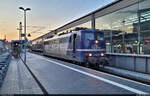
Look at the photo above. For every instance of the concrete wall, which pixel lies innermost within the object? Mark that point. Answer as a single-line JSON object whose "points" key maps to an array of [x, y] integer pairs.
{"points": [[132, 62]]}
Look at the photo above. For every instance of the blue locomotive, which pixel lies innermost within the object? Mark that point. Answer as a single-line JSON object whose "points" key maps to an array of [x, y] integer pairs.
{"points": [[83, 46]]}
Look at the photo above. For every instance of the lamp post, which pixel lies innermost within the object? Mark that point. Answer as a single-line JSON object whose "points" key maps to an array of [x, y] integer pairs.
{"points": [[27, 9]]}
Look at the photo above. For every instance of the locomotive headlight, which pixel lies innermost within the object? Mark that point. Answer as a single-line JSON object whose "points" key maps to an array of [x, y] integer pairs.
{"points": [[102, 54], [90, 55], [96, 41]]}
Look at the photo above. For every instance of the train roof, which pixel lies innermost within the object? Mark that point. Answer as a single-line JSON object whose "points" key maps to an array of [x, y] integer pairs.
{"points": [[57, 36], [68, 34], [91, 30]]}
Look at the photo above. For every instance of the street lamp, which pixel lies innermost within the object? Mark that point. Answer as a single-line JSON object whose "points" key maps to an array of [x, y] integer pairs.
{"points": [[27, 9]]}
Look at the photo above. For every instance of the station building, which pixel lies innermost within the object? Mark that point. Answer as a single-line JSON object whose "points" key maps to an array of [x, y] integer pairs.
{"points": [[126, 25]]}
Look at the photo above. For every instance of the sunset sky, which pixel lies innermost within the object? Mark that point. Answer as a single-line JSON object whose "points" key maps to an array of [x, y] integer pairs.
{"points": [[45, 15]]}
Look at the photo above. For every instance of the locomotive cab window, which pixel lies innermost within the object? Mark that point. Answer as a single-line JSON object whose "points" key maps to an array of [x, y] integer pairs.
{"points": [[89, 36], [100, 36]]}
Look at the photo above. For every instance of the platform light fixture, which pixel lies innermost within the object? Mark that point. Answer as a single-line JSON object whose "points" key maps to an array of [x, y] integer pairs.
{"points": [[25, 9]]}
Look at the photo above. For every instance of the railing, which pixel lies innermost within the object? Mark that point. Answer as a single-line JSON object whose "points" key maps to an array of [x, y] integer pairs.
{"points": [[132, 62]]}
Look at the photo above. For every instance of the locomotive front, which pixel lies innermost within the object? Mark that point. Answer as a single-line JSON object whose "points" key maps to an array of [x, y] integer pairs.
{"points": [[95, 48]]}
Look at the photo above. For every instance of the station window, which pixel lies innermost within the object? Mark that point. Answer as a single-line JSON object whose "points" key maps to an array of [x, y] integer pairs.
{"points": [[120, 30], [104, 24], [144, 15]]}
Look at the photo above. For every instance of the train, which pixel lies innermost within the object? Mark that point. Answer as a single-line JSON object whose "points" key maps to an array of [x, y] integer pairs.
{"points": [[37, 45], [86, 47]]}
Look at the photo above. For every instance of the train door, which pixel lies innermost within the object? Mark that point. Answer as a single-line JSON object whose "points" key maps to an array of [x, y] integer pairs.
{"points": [[74, 42]]}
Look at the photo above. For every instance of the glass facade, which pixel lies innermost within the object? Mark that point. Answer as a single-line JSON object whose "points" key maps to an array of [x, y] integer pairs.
{"points": [[144, 19], [104, 24], [127, 30]]}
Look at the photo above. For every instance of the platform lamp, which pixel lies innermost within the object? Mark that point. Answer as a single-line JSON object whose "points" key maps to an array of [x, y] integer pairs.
{"points": [[24, 9]]}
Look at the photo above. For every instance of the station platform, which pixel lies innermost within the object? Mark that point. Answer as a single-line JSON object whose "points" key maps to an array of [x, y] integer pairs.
{"points": [[129, 74], [18, 80], [59, 77]]}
